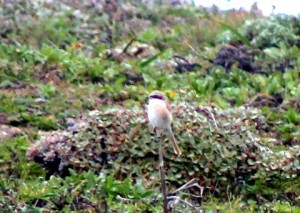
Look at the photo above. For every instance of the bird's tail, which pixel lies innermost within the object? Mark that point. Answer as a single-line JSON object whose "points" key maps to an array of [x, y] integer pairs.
{"points": [[173, 141]]}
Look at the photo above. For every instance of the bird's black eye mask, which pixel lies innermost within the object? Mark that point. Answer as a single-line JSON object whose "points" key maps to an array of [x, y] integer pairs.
{"points": [[157, 97]]}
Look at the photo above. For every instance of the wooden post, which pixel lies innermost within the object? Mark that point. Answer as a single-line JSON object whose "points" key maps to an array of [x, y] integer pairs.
{"points": [[162, 175]]}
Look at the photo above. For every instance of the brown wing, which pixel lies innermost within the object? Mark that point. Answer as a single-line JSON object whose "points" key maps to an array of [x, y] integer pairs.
{"points": [[163, 112]]}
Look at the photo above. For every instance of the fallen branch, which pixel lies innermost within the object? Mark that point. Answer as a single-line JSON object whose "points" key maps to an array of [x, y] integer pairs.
{"points": [[208, 113], [184, 65], [128, 45], [191, 183], [178, 199], [123, 199]]}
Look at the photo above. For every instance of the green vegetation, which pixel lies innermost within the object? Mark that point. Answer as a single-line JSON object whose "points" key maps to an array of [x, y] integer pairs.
{"points": [[74, 77]]}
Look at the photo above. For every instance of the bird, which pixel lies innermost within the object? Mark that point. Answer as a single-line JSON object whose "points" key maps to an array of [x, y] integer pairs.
{"points": [[160, 116]]}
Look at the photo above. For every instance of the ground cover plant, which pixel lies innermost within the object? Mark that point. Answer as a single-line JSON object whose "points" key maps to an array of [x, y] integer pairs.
{"points": [[74, 78]]}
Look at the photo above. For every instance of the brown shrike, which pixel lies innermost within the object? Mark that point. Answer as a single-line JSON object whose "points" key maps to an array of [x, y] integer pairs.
{"points": [[160, 116]]}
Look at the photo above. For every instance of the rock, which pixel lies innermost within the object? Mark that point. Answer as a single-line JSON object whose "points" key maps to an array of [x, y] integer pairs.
{"points": [[7, 132]]}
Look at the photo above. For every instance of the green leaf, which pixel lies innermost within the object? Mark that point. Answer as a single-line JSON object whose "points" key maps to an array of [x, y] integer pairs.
{"points": [[149, 60], [148, 35], [225, 26]]}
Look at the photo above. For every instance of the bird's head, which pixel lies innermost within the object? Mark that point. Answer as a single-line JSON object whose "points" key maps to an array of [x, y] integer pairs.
{"points": [[158, 95]]}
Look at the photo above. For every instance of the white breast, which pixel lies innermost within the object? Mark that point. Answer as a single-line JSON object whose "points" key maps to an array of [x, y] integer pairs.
{"points": [[154, 117]]}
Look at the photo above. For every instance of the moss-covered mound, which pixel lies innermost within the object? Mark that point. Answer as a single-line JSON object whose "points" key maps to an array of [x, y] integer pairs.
{"points": [[222, 148]]}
